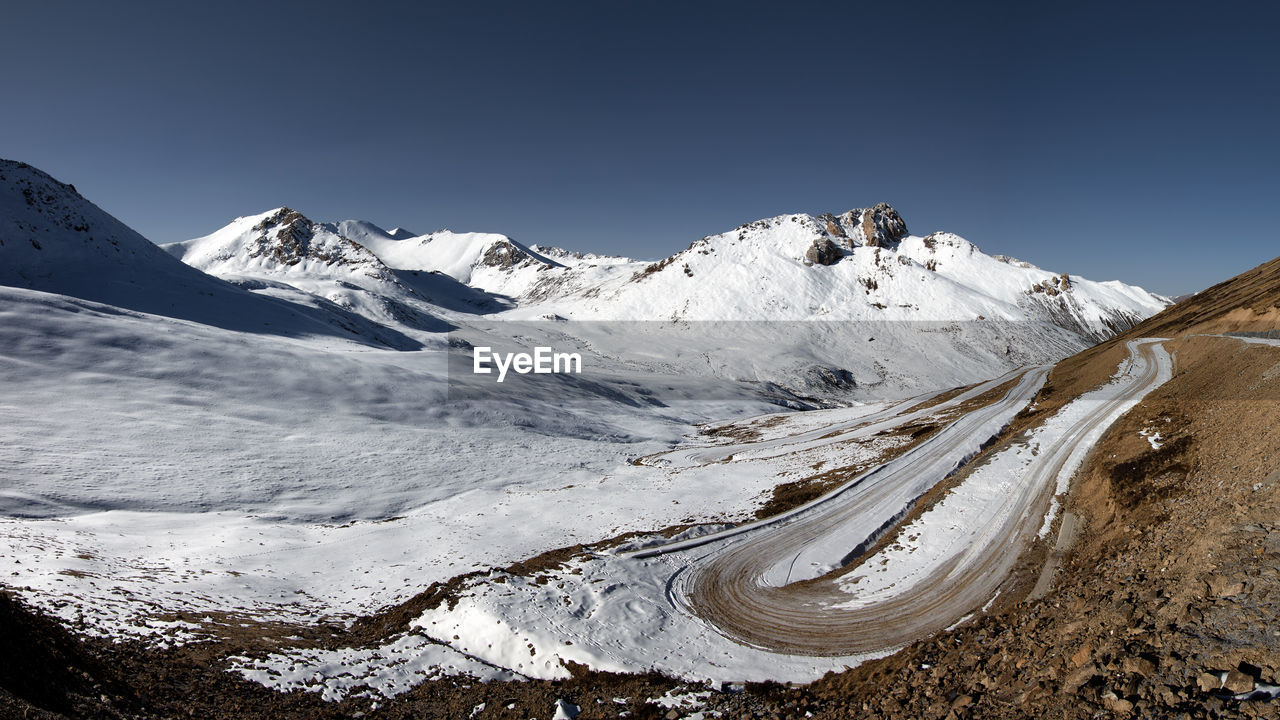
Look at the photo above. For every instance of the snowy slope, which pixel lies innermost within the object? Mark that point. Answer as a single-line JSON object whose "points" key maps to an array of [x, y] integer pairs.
{"points": [[881, 312], [860, 265], [158, 458], [462, 256], [283, 251], [53, 240], [277, 242], [766, 270]]}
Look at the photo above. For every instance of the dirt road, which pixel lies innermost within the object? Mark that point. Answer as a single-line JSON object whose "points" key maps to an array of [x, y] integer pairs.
{"points": [[778, 585]]}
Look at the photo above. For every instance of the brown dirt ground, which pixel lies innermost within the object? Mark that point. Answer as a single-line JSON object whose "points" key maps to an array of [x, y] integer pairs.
{"points": [[1148, 599]]}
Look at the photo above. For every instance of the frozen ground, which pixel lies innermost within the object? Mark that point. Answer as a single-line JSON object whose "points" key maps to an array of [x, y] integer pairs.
{"points": [[133, 495], [290, 441], [155, 466], [634, 611], [159, 444]]}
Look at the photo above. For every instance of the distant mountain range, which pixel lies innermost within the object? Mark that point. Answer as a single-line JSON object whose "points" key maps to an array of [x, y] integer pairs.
{"points": [[280, 272]]}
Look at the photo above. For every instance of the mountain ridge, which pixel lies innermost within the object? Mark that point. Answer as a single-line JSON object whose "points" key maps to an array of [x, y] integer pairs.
{"points": [[863, 249], [54, 240], [893, 313]]}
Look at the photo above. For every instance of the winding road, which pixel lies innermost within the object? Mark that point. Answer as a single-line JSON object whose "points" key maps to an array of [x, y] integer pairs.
{"points": [[783, 585]]}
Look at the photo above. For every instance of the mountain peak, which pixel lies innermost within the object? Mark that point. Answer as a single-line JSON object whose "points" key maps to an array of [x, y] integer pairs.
{"points": [[53, 240], [59, 203], [288, 237], [877, 226], [280, 240]]}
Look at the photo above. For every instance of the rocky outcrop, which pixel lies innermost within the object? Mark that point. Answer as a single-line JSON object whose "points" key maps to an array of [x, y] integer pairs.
{"points": [[877, 226], [503, 254], [823, 252], [832, 225], [882, 226], [1053, 286], [288, 237]]}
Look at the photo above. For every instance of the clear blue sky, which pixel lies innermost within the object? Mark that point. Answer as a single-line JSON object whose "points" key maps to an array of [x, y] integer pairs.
{"points": [[1108, 140]]}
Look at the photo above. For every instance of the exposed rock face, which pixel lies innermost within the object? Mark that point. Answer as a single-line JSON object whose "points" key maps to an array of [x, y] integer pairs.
{"points": [[1053, 286], [882, 226], [876, 226], [504, 255], [833, 227], [823, 252], [290, 238]]}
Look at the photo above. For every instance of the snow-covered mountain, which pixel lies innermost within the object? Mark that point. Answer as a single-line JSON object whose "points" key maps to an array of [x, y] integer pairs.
{"points": [[487, 261], [290, 437], [819, 305], [903, 313], [283, 250], [279, 242], [55, 241], [859, 265]]}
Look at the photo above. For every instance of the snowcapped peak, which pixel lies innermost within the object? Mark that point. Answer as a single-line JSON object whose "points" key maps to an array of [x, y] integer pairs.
{"points": [[1007, 260], [458, 255], [48, 233], [359, 230], [859, 265], [32, 181], [277, 242]]}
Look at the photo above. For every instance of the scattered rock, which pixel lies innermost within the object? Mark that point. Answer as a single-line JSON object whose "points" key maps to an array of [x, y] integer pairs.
{"points": [[1081, 656], [1082, 675], [1223, 587], [1238, 683], [1117, 705], [1209, 682], [1139, 665]]}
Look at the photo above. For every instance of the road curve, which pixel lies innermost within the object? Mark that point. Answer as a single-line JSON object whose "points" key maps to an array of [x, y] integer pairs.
{"points": [[769, 587], [874, 480]]}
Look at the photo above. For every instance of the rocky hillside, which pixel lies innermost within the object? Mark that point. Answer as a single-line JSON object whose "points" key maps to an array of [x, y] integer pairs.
{"points": [[278, 242], [1245, 303]]}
